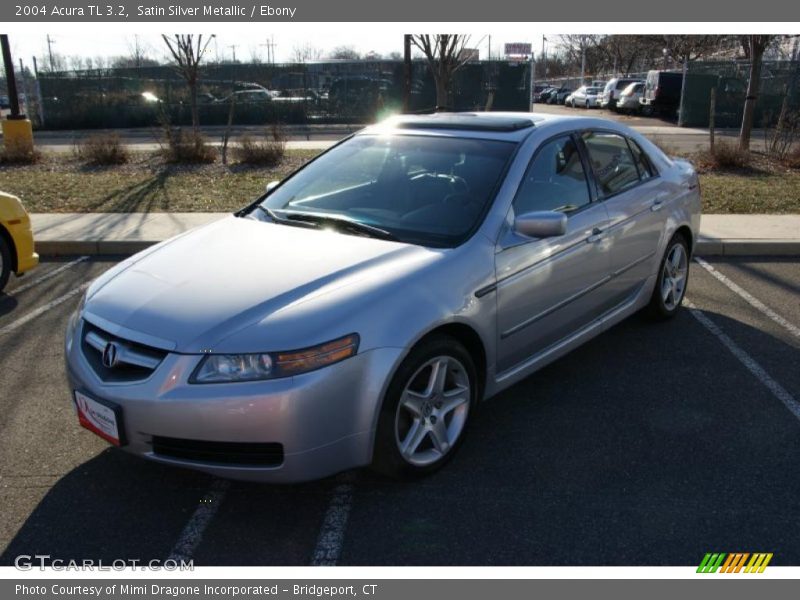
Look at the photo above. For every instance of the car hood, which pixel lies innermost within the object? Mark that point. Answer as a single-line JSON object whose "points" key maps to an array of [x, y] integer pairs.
{"points": [[203, 286]]}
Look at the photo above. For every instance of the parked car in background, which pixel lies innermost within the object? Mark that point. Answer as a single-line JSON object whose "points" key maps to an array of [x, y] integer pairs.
{"points": [[255, 96], [17, 253], [405, 275], [559, 95], [545, 96], [662, 93], [562, 95], [585, 97], [613, 89], [629, 98], [538, 89]]}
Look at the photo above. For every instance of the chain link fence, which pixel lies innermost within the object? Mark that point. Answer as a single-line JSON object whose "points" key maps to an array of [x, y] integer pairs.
{"points": [[344, 92], [779, 80]]}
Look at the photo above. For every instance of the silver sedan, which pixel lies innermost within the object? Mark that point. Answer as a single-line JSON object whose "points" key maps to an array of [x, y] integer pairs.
{"points": [[359, 310]]}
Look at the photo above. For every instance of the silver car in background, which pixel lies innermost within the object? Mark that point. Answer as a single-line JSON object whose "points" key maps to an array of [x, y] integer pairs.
{"points": [[629, 98], [585, 97], [358, 312]]}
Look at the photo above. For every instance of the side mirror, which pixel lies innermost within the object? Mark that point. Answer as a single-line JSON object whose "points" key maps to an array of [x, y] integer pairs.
{"points": [[541, 224], [272, 185]]}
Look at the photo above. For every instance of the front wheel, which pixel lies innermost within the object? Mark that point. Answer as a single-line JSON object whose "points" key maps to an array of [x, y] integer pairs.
{"points": [[673, 275], [426, 409]]}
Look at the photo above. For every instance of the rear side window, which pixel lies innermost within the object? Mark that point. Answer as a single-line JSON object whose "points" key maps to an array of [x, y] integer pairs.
{"points": [[555, 180], [646, 170], [612, 162]]}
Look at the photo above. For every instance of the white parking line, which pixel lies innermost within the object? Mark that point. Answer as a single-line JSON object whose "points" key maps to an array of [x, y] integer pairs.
{"points": [[331, 535], [28, 285], [192, 534], [748, 361], [749, 298], [43, 309]]}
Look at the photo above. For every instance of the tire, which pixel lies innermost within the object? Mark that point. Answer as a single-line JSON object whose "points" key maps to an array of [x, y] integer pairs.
{"points": [[673, 277], [415, 409], [5, 263]]}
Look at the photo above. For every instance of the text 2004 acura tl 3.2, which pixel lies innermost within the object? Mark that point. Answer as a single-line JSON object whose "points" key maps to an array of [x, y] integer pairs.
{"points": [[358, 311]]}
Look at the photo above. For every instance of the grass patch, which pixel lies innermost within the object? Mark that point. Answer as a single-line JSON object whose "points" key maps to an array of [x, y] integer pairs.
{"points": [[59, 184], [765, 193], [146, 184]]}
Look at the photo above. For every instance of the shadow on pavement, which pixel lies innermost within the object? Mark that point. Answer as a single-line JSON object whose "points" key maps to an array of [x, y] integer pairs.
{"points": [[650, 445]]}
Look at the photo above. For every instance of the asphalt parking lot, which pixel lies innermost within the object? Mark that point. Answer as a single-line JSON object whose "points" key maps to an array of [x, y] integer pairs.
{"points": [[651, 445]]}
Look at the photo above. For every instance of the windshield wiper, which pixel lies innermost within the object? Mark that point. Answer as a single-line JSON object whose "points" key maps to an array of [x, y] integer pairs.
{"points": [[343, 224], [273, 216]]}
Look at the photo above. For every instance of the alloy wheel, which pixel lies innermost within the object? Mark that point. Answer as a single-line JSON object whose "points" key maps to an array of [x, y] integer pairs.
{"points": [[432, 411], [673, 277]]}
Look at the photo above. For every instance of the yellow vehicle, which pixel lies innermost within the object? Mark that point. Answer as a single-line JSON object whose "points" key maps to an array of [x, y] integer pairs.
{"points": [[16, 239]]}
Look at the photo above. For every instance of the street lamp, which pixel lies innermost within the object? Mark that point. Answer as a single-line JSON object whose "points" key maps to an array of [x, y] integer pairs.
{"points": [[665, 52]]}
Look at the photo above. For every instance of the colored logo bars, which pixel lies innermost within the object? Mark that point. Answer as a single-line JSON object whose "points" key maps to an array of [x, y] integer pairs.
{"points": [[735, 562]]}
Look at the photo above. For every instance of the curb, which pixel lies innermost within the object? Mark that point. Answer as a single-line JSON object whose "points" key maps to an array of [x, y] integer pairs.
{"points": [[705, 247], [749, 247]]}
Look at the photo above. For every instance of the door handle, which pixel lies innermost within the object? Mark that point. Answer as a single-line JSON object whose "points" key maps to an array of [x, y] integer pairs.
{"points": [[597, 235], [657, 205]]}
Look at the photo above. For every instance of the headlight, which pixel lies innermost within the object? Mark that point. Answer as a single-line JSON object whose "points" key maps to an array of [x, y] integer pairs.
{"points": [[219, 368]]}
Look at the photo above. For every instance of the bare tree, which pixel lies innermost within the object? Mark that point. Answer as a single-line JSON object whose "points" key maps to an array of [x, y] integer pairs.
{"points": [[305, 53], [689, 48], [754, 47], [345, 53], [187, 54], [445, 55]]}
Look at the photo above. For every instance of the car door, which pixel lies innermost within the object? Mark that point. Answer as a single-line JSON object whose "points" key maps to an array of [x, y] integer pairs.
{"points": [[549, 288], [633, 195]]}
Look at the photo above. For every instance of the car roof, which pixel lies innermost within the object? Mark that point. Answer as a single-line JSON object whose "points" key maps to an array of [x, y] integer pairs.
{"points": [[511, 126], [504, 126]]}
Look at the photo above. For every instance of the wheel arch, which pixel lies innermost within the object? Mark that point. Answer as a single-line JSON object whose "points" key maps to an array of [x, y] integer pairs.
{"points": [[686, 232], [471, 340], [12, 248]]}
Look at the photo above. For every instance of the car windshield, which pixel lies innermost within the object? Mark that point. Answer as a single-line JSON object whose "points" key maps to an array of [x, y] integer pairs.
{"points": [[592, 90], [426, 190]]}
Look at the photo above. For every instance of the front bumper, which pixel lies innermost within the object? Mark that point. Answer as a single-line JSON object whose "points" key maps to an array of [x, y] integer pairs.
{"points": [[324, 420]]}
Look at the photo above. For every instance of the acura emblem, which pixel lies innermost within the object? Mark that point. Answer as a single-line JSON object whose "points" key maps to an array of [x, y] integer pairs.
{"points": [[110, 355]]}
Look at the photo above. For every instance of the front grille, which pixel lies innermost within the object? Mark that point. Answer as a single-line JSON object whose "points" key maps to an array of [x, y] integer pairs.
{"points": [[227, 453], [134, 361]]}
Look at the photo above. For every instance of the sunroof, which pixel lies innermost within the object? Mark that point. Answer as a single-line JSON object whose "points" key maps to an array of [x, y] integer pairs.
{"points": [[464, 121]]}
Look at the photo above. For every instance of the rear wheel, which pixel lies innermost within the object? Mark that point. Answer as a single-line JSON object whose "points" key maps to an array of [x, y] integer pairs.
{"points": [[426, 409], [5, 263], [673, 275]]}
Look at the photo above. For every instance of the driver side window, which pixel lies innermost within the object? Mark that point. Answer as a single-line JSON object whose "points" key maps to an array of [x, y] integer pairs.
{"points": [[555, 180]]}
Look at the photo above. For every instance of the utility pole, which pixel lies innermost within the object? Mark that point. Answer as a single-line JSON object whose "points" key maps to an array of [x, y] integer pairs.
{"points": [[24, 86], [544, 58], [406, 73], [270, 46], [50, 43], [233, 49], [489, 54], [39, 99], [583, 61], [533, 67]]}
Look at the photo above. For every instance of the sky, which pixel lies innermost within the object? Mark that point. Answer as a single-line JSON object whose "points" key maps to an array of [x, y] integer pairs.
{"points": [[249, 42]]}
